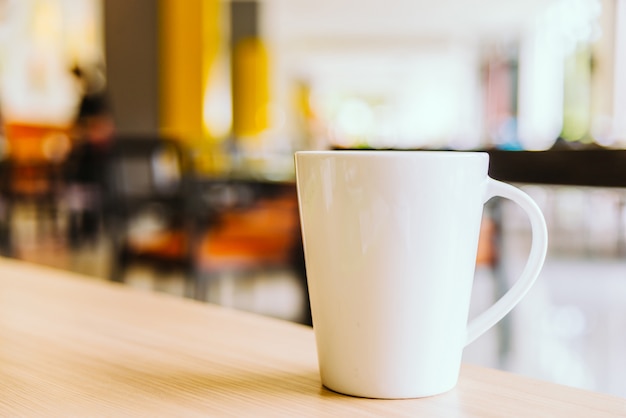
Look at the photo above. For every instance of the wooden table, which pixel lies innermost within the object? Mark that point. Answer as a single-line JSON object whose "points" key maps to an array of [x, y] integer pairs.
{"points": [[72, 346]]}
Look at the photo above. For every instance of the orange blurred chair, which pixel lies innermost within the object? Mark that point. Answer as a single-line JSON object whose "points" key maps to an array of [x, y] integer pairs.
{"points": [[32, 170], [261, 236]]}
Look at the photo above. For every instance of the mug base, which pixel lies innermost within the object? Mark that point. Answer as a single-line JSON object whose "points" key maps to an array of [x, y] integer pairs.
{"points": [[389, 395]]}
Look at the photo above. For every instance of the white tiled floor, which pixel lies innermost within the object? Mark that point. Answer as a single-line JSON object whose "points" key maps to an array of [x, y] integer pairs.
{"points": [[570, 329]]}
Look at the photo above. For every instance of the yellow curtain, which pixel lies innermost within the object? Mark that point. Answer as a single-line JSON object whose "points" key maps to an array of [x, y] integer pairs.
{"points": [[250, 88], [189, 41]]}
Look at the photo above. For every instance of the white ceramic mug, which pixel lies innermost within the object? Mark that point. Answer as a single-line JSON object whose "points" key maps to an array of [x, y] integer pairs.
{"points": [[390, 241]]}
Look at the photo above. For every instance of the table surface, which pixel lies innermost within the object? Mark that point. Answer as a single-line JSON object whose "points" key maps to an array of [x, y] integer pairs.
{"points": [[77, 346]]}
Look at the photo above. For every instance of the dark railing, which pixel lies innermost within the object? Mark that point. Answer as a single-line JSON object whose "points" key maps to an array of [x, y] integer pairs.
{"points": [[591, 167]]}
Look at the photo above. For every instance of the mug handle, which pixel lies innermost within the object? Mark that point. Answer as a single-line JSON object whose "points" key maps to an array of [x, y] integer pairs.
{"points": [[536, 258]]}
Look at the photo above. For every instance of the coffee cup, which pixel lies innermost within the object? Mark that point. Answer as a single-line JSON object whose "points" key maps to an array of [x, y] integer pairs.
{"points": [[390, 242]]}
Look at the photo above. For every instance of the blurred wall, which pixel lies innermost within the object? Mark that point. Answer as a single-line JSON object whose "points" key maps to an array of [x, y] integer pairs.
{"points": [[131, 41]]}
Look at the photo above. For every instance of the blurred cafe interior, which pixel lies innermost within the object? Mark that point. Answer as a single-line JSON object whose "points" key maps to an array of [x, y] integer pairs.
{"points": [[151, 142]]}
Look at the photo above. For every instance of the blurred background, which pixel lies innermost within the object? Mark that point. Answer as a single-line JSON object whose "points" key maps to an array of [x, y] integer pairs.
{"points": [[151, 142]]}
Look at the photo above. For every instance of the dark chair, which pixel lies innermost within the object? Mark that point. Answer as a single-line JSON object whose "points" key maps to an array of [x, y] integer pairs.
{"points": [[6, 207], [34, 184], [151, 207]]}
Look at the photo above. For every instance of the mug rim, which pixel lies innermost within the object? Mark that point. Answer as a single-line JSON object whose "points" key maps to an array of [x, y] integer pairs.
{"points": [[388, 153]]}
